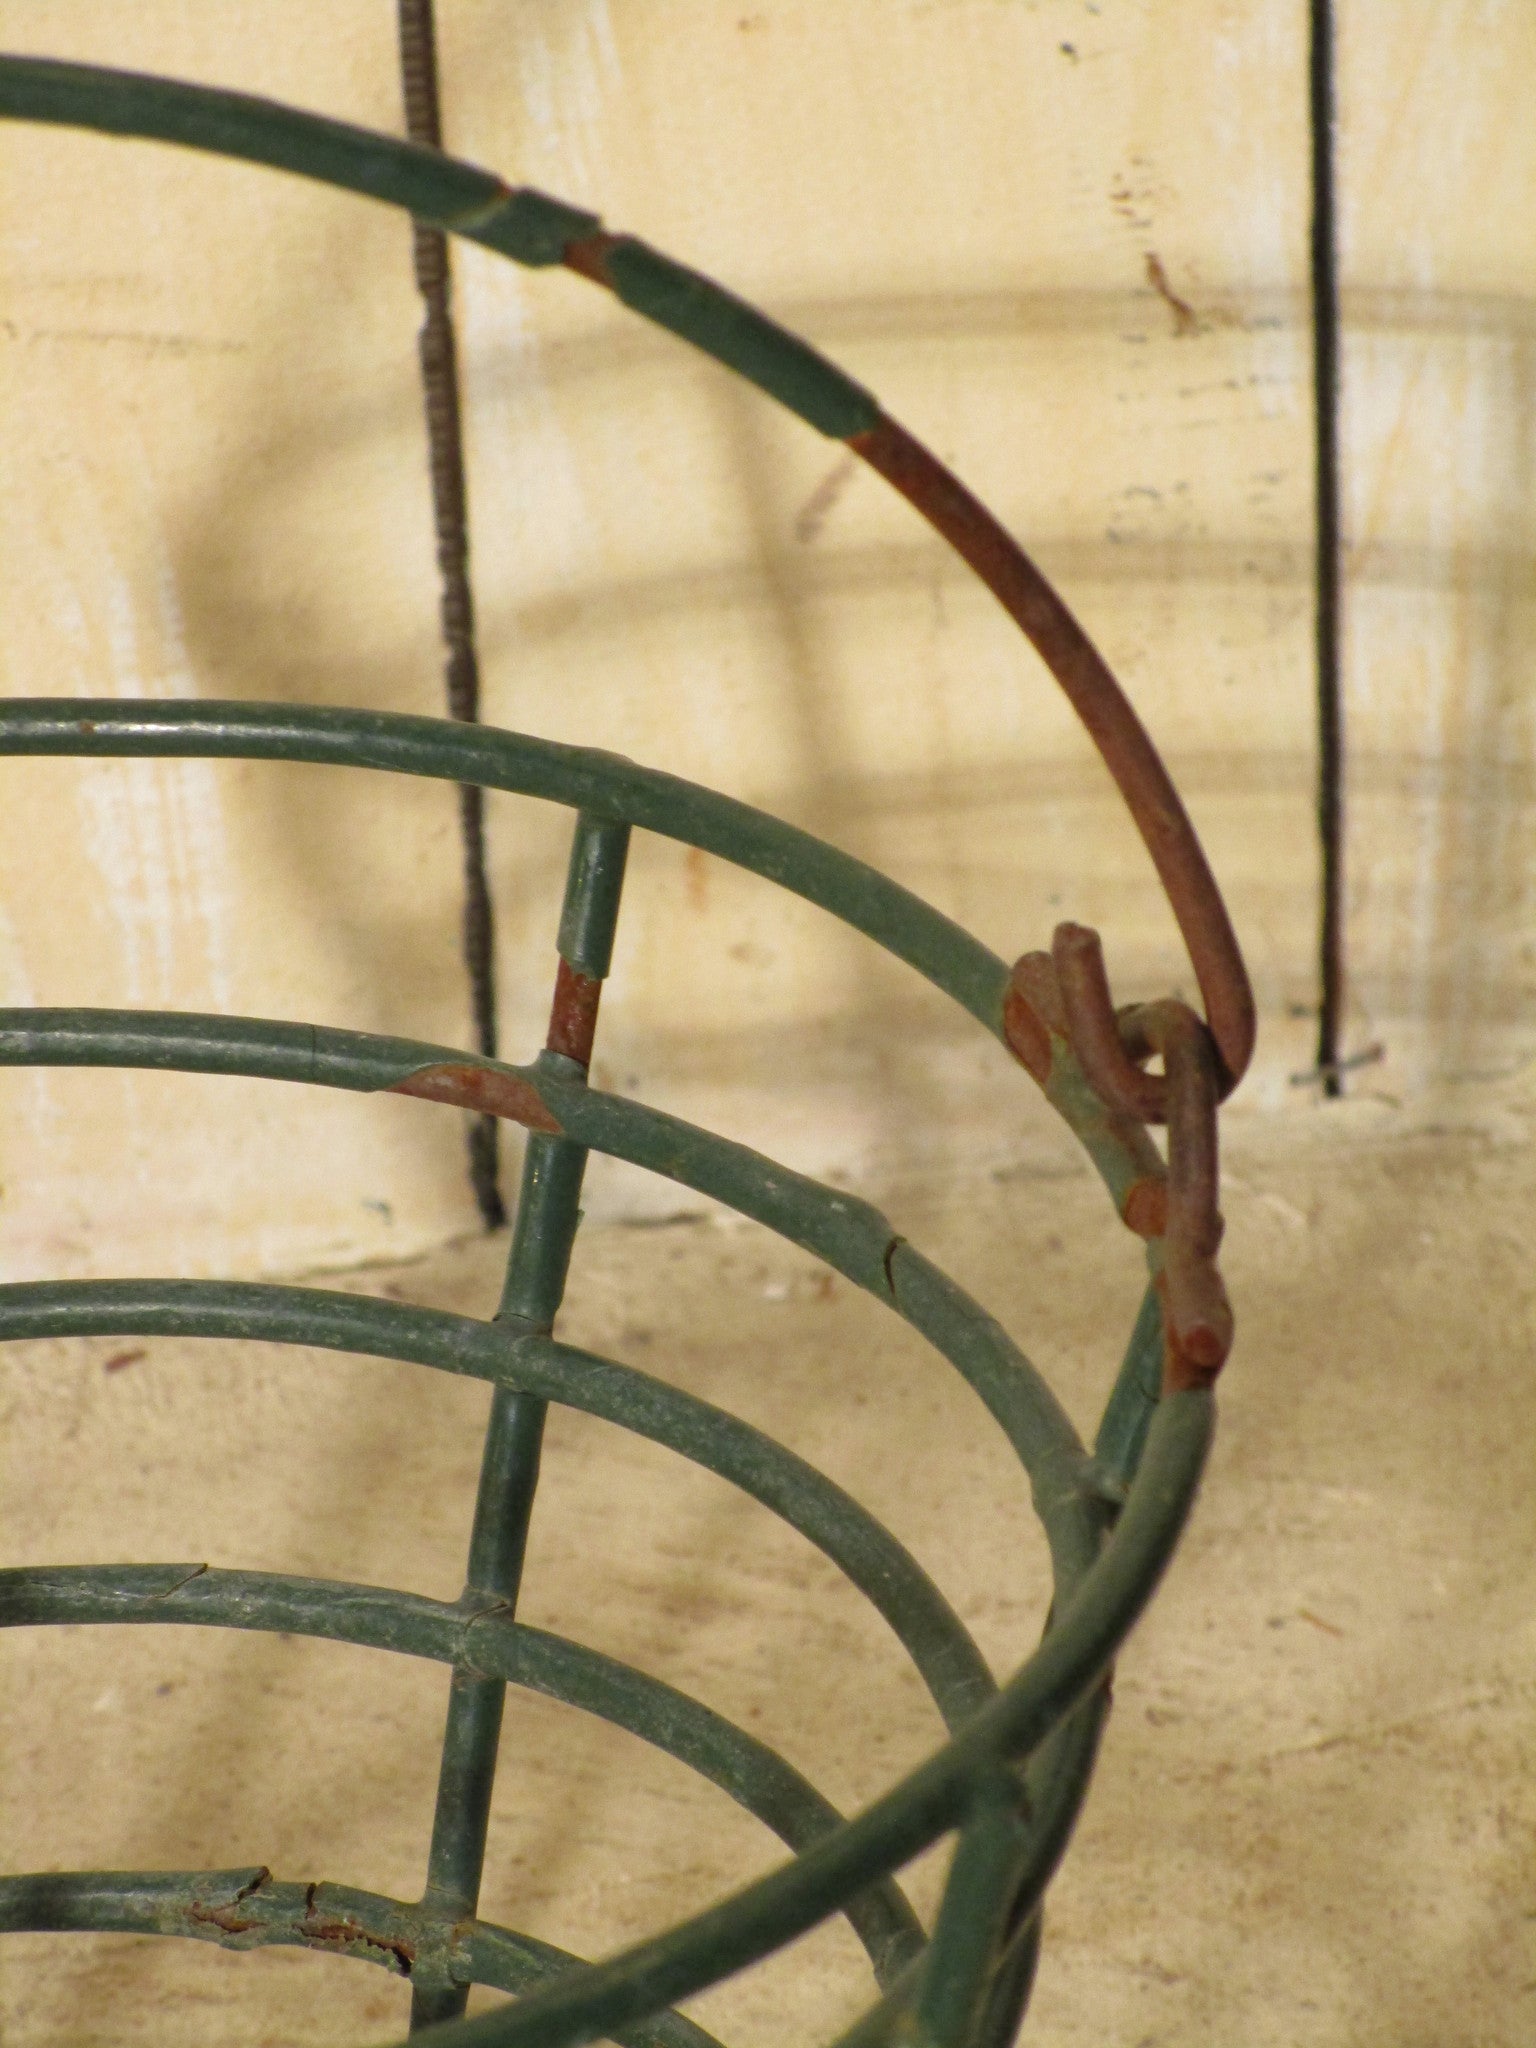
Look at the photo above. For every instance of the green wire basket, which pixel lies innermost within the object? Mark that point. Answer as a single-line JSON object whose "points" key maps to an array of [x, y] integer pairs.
{"points": [[1010, 1780]]}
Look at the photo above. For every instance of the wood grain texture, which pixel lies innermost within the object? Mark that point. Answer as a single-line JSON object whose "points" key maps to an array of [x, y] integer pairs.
{"points": [[1438, 255]]}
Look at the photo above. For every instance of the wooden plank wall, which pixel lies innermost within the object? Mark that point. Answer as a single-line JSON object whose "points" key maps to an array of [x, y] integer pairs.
{"points": [[1437, 164]]}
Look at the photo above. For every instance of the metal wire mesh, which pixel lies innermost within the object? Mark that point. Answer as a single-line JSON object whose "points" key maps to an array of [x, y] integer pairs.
{"points": [[1010, 1780]]}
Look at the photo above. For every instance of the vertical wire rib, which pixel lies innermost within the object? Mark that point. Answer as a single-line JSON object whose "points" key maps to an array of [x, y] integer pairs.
{"points": [[958, 1978], [548, 1213], [1012, 1984], [445, 447], [1329, 582]]}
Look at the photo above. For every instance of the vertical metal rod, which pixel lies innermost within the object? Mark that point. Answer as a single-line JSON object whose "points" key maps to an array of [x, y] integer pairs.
{"points": [[1329, 578], [958, 1978], [1008, 1999], [445, 446], [1133, 1400], [548, 1213]]}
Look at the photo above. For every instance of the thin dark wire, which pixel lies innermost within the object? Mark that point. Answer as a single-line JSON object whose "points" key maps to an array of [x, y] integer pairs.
{"points": [[445, 443], [1329, 612]]}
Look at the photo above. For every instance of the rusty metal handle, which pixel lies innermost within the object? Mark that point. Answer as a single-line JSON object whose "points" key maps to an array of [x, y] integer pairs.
{"points": [[1062, 997], [1109, 719], [694, 307], [1197, 1314]]}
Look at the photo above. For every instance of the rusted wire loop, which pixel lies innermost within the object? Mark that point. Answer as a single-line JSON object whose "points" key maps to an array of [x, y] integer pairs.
{"points": [[1095, 1032], [1197, 1314], [1064, 995]]}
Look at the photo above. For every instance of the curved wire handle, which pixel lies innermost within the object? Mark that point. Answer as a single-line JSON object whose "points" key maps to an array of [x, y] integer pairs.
{"points": [[1203, 1060], [1079, 669]]}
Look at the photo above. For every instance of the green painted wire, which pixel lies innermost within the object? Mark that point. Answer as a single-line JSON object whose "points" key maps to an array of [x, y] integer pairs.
{"points": [[492, 1645], [588, 778], [913, 1814], [254, 1312], [201, 1904]]}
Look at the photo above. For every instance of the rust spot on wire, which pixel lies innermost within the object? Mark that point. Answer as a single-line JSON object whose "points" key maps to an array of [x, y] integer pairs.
{"points": [[489, 1090], [1105, 711], [589, 257], [1184, 1368], [1026, 1030], [313, 1926], [1145, 1208], [228, 1918], [1027, 1037], [573, 1014], [1094, 1029], [352, 1934]]}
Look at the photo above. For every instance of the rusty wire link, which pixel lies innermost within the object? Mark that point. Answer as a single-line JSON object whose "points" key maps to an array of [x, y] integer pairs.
{"points": [[1096, 1031], [1063, 996], [1197, 1313]]}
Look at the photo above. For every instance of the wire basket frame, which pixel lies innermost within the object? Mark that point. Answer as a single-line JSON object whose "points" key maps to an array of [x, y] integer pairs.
{"points": [[1010, 1780]]}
